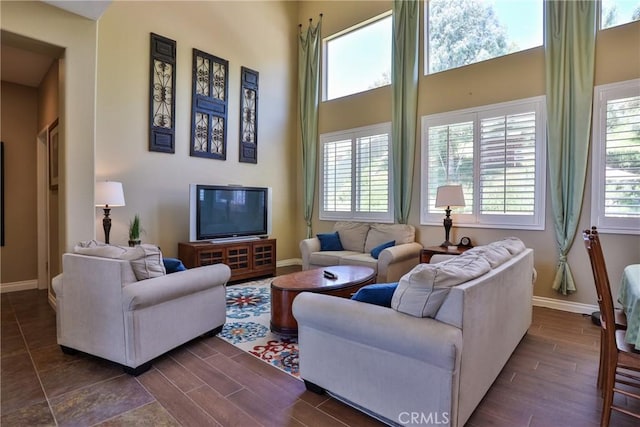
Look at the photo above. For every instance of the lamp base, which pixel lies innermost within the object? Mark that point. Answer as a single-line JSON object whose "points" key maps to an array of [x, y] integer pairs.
{"points": [[446, 243]]}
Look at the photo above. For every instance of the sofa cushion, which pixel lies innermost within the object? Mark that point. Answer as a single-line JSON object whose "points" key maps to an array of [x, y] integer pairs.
{"points": [[512, 244], [420, 292], [330, 241], [352, 235], [495, 255], [381, 233], [375, 252], [378, 294], [364, 260], [325, 258], [101, 250], [148, 262]]}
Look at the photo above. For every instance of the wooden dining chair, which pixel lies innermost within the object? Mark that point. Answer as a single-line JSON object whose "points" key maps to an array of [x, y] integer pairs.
{"points": [[620, 362], [620, 317]]}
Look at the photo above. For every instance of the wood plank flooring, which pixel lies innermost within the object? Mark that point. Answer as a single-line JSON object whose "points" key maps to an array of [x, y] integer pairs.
{"points": [[549, 381]]}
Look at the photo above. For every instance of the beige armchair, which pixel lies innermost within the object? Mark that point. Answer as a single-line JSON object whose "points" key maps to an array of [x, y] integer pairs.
{"points": [[104, 311]]}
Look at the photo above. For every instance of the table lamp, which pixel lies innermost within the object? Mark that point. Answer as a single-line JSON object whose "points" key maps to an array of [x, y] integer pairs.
{"points": [[108, 194], [449, 196]]}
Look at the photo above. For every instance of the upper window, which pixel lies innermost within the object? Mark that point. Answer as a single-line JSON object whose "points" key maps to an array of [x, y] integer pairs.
{"points": [[497, 154], [358, 59], [355, 174], [615, 203], [618, 12], [464, 32]]}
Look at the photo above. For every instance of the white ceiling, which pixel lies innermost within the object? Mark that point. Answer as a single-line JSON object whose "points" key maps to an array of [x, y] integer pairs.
{"points": [[27, 63]]}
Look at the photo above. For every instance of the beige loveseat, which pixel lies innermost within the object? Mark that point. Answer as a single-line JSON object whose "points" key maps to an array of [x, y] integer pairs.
{"points": [[104, 310], [358, 239], [435, 352]]}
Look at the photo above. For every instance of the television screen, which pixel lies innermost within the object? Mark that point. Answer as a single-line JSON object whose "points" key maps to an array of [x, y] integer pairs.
{"points": [[223, 212]]}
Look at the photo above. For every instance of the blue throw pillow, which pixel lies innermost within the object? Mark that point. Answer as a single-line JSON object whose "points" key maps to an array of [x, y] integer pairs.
{"points": [[375, 252], [173, 265], [330, 242], [378, 294]]}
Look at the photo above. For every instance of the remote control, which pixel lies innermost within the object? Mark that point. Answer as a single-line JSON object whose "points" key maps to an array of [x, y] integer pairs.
{"points": [[330, 275]]}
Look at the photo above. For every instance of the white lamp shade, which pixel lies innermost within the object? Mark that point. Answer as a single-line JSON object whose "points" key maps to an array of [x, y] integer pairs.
{"points": [[109, 193], [450, 195]]}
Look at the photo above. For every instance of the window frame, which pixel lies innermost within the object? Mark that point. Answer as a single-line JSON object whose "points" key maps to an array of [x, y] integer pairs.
{"points": [[601, 95], [426, 50], [325, 54], [353, 215], [476, 219]]}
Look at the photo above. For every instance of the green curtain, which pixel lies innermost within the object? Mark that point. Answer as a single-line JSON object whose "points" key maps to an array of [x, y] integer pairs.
{"points": [[570, 31], [308, 85], [404, 102]]}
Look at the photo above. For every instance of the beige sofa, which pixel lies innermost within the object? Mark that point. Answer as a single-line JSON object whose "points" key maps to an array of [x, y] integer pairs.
{"points": [[395, 364], [104, 310], [358, 239]]}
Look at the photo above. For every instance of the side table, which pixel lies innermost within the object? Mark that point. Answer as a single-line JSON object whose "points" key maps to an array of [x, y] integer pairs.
{"points": [[429, 251]]}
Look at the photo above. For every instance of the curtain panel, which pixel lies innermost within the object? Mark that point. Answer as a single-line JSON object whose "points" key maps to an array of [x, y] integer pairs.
{"points": [[570, 31], [404, 104], [308, 90]]}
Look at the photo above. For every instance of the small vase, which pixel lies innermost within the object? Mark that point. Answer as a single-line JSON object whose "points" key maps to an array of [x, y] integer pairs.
{"points": [[134, 243]]}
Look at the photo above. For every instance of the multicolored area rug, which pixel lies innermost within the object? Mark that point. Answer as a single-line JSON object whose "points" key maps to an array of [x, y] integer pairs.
{"points": [[247, 326]]}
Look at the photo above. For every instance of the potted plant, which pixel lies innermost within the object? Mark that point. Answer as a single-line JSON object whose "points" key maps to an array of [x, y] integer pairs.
{"points": [[134, 231]]}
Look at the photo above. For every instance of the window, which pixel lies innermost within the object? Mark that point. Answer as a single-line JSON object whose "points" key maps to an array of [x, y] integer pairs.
{"points": [[355, 175], [618, 12], [615, 203], [358, 59], [497, 154], [464, 32]]}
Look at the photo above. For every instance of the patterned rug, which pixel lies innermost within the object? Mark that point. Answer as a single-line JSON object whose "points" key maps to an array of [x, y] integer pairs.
{"points": [[247, 326]]}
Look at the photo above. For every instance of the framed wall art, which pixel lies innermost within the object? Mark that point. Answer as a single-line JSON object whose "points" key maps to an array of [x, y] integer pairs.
{"points": [[209, 106], [162, 94], [54, 150], [248, 115]]}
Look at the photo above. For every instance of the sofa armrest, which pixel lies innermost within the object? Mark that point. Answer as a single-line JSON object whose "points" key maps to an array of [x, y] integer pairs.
{"points": [[395, 261], [307, 247], [424, 339], [157, 290]]}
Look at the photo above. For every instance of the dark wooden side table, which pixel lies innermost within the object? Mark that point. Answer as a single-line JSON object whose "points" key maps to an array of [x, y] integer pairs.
{"points": [[429, 251]]}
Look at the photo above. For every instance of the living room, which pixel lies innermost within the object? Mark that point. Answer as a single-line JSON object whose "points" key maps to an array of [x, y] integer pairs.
{"points": [[103, 123]]}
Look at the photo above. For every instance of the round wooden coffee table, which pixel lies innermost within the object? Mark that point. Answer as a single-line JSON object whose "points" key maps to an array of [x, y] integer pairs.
{"points": [[285, 288]]}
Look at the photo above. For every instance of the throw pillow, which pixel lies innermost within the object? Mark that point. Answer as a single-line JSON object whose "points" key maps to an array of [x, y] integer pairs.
{"points": [[329, 242], [352, 234], [380, 233], [375, 252], [173, 265], [147, 263], [422, 291], [378, 294]]}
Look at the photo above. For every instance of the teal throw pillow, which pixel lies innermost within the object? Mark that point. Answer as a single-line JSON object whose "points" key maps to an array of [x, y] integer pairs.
{"points": [[378, 294], [330, 242], [375, 252]]}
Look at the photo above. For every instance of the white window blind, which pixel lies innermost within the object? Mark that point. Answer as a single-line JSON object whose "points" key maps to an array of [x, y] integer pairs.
{"points": [[497, 154], [615, 205], [355, 174], [337, 176], [507, 164]]}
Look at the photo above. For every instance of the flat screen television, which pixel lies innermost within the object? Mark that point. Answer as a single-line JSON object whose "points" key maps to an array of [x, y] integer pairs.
{"points": [[228, 212]]}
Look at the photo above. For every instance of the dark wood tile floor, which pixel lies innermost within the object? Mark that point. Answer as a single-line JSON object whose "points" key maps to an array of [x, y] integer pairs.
{"points": [[549, 381]]}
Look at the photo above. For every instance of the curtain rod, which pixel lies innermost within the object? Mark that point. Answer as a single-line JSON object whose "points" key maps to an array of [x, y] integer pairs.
{"points": [[310, 21]]}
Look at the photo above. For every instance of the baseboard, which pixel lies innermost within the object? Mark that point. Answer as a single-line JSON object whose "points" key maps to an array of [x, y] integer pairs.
{"points": [[18, 286], [573, 307], [289, 262]]}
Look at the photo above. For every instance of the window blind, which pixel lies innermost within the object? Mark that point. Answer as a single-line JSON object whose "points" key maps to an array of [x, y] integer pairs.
{"points": [[337, 160], [508, 164], [372, 174], [622, 158]]}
